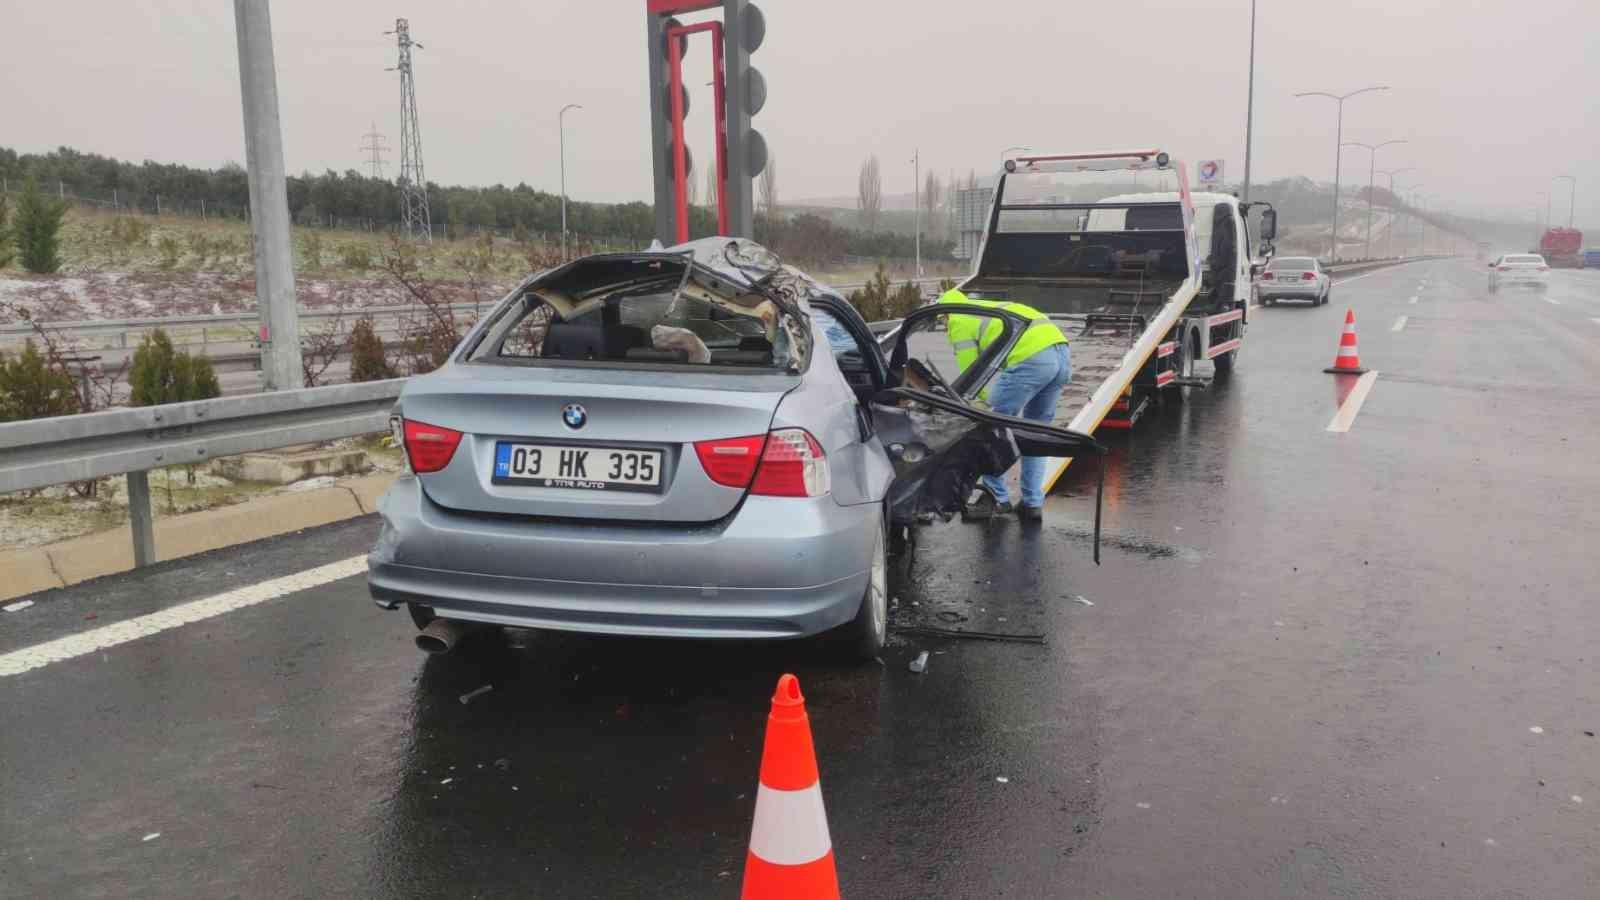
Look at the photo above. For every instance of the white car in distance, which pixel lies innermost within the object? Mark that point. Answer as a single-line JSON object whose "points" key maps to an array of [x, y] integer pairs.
{"points": [[1519, 269]]}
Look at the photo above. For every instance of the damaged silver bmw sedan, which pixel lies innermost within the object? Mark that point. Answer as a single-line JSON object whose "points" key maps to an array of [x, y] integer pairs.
{"points": [[692, 442]]}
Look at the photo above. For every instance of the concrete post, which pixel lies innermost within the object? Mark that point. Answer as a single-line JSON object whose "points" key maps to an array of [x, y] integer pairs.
{"points": [[141, 519], [269, 198]]}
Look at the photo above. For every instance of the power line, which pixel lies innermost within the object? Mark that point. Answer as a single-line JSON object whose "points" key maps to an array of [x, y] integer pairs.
{"points": [[375, 146], [415, 221]]}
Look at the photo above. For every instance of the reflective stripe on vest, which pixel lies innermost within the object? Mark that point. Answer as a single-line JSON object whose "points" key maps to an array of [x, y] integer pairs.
{"points": [[965, 339]]}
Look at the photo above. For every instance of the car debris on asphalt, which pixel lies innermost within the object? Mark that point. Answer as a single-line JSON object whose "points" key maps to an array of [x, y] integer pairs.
{"points": [[920, 664], [469, 695]]}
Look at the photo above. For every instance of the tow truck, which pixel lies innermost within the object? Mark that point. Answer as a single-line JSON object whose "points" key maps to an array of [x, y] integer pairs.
{"points": [[1145, 277]]}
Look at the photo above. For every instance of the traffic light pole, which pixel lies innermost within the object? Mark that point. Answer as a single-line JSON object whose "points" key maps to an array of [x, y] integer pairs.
{"points": [[741, 152], [676, 40]]}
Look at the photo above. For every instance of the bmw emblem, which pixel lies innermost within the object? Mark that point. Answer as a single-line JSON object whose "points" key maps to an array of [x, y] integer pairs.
{"points": [[574, 416]]}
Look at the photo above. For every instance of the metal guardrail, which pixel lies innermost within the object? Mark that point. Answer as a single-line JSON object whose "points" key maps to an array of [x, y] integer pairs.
{"points": [[43, 452]]}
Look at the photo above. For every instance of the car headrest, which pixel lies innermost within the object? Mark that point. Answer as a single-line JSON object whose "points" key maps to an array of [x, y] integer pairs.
{"points": [[565, 340]]}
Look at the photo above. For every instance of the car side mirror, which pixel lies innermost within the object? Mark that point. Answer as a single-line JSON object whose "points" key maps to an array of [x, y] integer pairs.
{"points": [[1269, 224]]}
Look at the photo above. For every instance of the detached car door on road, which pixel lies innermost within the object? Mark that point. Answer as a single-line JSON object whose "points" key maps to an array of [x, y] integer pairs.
{"points": [[672, 444]]}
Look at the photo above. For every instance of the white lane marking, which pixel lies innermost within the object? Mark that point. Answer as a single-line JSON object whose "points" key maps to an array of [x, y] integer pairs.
{"points": [[1399, 324], [1552, 301], [1346, 416], [1413, 299], [39, 655]]}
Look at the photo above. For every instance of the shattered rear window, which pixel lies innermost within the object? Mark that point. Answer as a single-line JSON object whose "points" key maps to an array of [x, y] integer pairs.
{"points": [[642, 310]]}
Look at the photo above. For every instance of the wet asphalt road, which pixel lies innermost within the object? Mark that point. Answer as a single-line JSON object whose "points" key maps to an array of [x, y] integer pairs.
{"points": [[1311, 668]]}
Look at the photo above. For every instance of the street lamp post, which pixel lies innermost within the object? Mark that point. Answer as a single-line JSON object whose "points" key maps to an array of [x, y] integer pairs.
{"points": [[916, 214], [1250, 102], [1409, 198], [1422, 201], [1338, 152], [1572, 202], [1388, 237], [561, 127], [1372, 171]]}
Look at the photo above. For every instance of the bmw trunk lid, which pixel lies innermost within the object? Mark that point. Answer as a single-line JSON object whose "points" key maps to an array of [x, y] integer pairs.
{"points": [[595, 443]]}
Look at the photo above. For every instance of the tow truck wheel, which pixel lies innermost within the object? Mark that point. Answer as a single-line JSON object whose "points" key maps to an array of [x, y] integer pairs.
{"points": [[865, 635], [1224, 363]]}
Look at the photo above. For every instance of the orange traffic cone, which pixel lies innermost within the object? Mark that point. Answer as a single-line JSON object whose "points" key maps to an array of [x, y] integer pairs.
{"points": [[1348, 360], [791, 855]]}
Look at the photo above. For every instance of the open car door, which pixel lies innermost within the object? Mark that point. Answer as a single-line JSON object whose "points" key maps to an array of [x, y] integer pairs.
{"points": [[939, 439]]}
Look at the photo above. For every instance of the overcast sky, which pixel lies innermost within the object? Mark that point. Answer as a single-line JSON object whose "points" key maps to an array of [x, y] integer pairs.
{"points": [[1494, 96]]}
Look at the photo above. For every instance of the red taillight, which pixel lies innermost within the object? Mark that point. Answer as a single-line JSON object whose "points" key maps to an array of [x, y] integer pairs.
{"points": [[1309, 276], [1502, 268], [1267, 276], [792, 465], [786, 463], [429, 447], [731, 461]]}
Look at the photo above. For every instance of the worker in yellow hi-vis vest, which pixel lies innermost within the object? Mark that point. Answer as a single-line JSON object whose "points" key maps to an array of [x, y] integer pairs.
{"points": [[1028, 386]]}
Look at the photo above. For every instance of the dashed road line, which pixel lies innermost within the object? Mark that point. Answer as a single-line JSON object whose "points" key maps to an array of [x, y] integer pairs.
{"points": [[1552, 301], [1351, 407], [1399, 324], [1413, 299], [39, 655]]}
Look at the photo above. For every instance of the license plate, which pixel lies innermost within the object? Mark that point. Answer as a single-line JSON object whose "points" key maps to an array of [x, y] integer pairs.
{"points": [[583, 468]]}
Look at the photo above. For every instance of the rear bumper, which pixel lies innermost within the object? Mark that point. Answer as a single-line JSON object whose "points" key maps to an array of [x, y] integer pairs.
{"points": [[778, 568], [1311, 291]]}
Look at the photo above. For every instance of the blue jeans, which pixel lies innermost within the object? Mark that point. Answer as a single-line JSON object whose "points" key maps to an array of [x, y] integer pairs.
{"points": [[1030, 390]]}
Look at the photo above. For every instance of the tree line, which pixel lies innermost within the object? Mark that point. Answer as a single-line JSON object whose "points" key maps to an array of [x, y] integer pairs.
{"points": [[351, 197]]}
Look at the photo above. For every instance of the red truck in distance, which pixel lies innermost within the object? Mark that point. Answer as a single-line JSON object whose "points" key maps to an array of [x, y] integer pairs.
{"points": [[1562, 248]]}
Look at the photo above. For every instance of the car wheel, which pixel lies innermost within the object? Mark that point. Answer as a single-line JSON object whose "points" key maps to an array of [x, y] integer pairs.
{"points": [[423, 616], [866, 634], [1327, 295]]}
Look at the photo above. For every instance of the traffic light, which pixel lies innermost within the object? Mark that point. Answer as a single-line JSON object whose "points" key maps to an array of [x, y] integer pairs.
{"points": [[743, 29], [741, 92]]}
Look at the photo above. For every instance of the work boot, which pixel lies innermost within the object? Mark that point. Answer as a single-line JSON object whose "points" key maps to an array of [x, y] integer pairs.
{"points": [[1030, 513], [984, 508]]}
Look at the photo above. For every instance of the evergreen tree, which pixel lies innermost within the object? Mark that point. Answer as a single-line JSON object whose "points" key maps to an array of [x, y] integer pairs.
{"points": [[368, 359], [163, 374], [31, 389], [6, 254], [37, 231]]}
